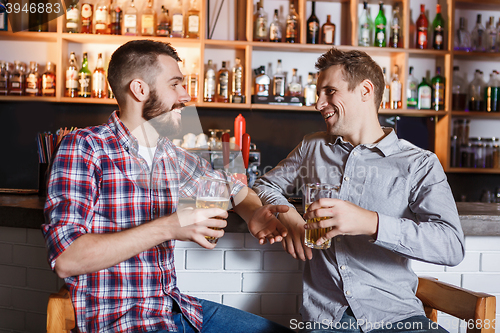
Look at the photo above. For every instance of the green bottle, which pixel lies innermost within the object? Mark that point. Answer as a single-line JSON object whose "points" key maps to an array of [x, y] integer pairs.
{"points": [[84, 77], [438, 26], [438, 86], [424, 95], [380, 27]]}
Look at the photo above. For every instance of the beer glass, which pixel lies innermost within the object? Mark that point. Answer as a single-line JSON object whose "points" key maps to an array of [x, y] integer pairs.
{"points": [[213, 193], [312, 193]]}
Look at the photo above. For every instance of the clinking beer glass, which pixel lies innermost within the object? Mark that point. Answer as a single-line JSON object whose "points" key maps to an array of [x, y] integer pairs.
{"points": [[213, 193], [312, 193]]}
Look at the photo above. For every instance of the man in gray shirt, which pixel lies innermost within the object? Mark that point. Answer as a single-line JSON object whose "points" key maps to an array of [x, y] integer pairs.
{"points": [[394, 204]]}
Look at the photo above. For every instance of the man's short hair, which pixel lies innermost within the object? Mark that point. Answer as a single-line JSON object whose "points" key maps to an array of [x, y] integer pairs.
{"points": [[356, 67], [137, 59]]}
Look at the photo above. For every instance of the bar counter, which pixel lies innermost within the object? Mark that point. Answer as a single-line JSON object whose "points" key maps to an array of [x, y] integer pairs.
{"points": [[26, 211]]}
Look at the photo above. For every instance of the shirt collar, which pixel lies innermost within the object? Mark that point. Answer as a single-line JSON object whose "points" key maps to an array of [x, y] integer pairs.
{"points": [[387, 146]]}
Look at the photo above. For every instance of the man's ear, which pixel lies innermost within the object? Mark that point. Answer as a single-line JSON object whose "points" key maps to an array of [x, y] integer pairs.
{"points": [[367, 90], [139, 89]]}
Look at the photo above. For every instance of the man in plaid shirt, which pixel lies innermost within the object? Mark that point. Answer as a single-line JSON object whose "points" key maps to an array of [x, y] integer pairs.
{"points": [[112, 208]]}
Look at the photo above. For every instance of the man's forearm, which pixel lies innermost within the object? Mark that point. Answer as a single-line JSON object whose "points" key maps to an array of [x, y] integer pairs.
{"points": [[247, 202]]}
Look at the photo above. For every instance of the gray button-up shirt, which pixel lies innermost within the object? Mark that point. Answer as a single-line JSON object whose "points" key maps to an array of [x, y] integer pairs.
{"points": [[418, 219]]}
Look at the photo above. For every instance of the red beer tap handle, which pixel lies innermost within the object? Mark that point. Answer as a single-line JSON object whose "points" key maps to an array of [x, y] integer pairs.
{"points": [[245, 148], [225, 150]]}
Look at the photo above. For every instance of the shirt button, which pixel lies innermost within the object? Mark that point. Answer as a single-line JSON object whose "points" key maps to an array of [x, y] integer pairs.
{"points": [[348, 293], [343, 267], [354, 153], [346, 178]]}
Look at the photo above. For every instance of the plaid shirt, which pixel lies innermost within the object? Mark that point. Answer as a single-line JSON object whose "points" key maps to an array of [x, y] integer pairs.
{"points": [[99, 184]]}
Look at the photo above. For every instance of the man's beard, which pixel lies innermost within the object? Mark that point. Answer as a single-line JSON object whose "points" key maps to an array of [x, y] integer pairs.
{"points": [[160, 117]]}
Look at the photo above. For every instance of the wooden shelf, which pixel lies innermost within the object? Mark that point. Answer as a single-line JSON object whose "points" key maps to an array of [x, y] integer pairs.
{"points": [[28, 98], [476, 114], [84, 100], [120, 39], [412, 112], [477, 4], [473, 56], [29, 36], [474, 170]]}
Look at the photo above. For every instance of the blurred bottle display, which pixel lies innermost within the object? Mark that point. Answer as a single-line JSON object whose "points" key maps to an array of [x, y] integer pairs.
{"points": [[262, 82], [163, 27], [148, 20], [279, 81], [72, 77], [438, 26], [4, 78], [209, 84], [491, 93], [237, 82], [310, 90], [365, 27], [275, 30], [85, 78], [438, 90], [328, 32], [4, 23], [193, 20], [396, 90], [49, 80], [33, 81], [260, 23], [462, 37], [177, 19], [292, 25], [459, 91], [192, 83], [396, 35], [477, 36], [99, 87], [72, 17], [101, 17], [421, 27], [38, 19], [17, 79], [411, 90], [476, 92], [313, 26], [294, 87], [380, 27], [223, 84], [86, 19], [115, 18], [130, 20], [491, 36], [386, 97], [424, 95]]}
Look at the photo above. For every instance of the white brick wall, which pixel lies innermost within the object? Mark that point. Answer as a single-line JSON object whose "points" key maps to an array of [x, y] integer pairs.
{"points": [[238, 272]]}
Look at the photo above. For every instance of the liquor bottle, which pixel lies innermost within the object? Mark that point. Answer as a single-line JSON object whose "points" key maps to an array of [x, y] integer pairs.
{"points": [[33, 81], [163, 27], [477, 36], [192, 83], [386, 97], [294, 87], [310, 90], [438, 26], [275, 31], [395, 39], [184, 74], [491, 36], [209, 87], [4, 78], [459, 91], [84, 78], [4, 24], [328, 32], [115, 18], [72, 77], [491, 93], [49, 80], [411, 91], [462, 37], [223, 84], [101, 17], [130, 20], [87, 14], [380, 27], [72, 17], [476, 92], [421, 26], [438, 90], [396, 90], [177, 20], [424, 95], [262, 82], [260, 24], [17, 80], [292, 26], [193, 21], [148, 19], [99, 88], [237, 82], [279, 81], [365, 27], [313, 27], [38, 19]]}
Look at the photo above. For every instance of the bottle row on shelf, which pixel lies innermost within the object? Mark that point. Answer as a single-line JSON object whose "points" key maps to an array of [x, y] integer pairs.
{"points": [[479, 39], [476, 95], [84, 83], [17, 80]]}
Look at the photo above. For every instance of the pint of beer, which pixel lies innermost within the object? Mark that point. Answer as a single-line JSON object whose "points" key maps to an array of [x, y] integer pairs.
{"points": [[312, 193]]}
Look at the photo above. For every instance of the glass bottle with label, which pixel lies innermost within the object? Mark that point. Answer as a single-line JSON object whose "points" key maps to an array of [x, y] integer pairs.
{"points": [[365, 27], [130, 20], [87, 14], [328, 32], [262, 82], [223, 84], [411, 91], [380, 27], [458, 91], [72, 77], [4, 24], [279, 81], [99, 88], [72, 17], [163, 27], [275, 30], [396, 39], [310, 90], [49, 80], [424, 95], [491, 36], [396, 90], [38, 19], [292, 25], [477, 36], [294, 87], [462, 37], [260, 24], [193, 20], [84, 78], [476, 92], [115, 18], [421, 27], [438, 90], [237, 82], [4, 78], [313, 27], [386, 97], [209, 86], [148, 18], [491, 93], [177, 20], [438, 26], [192, 83], [101, 17], [17, 80], [33, 81]]}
